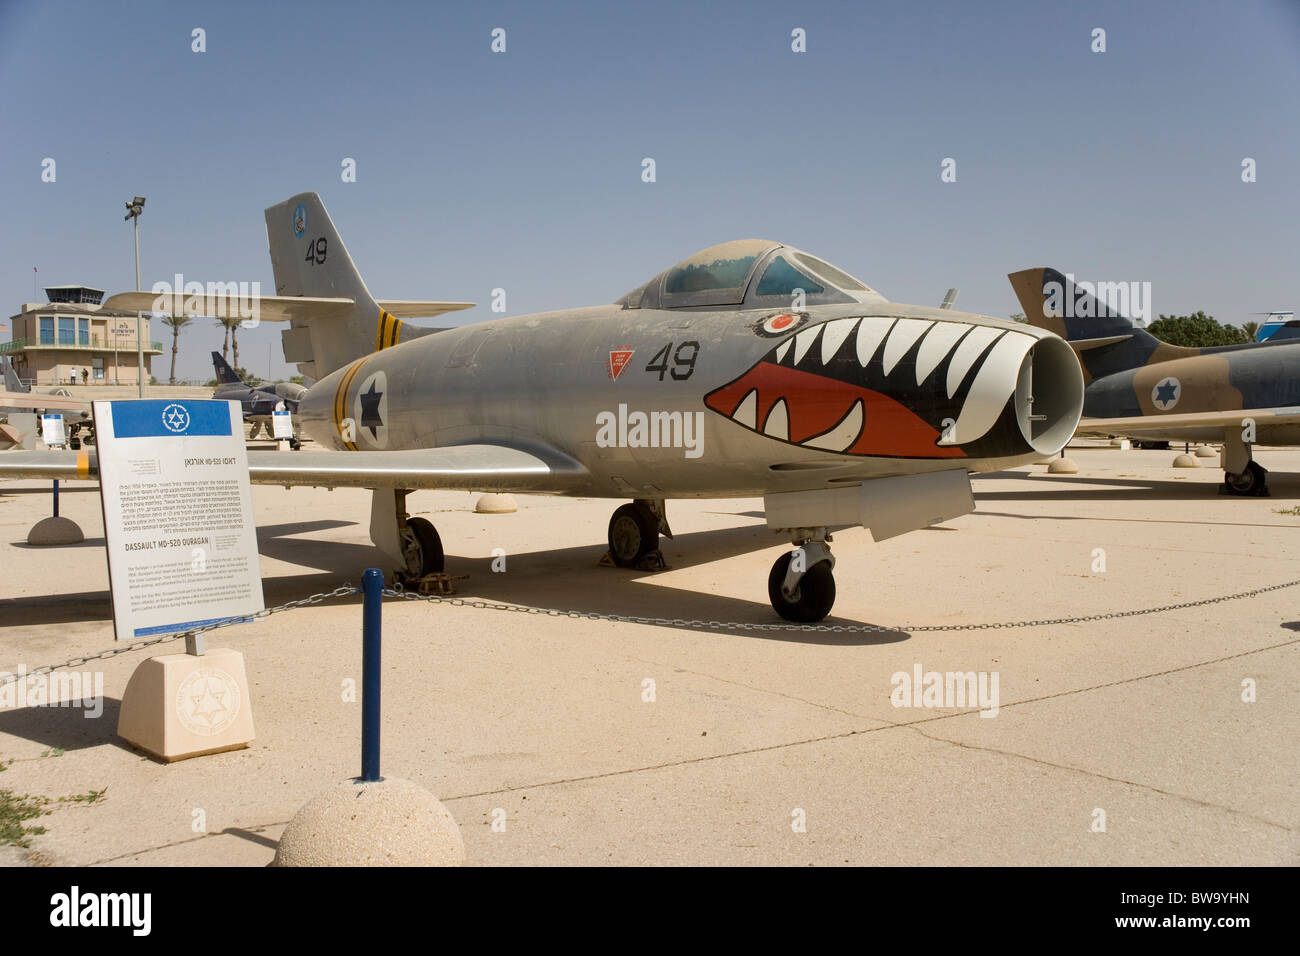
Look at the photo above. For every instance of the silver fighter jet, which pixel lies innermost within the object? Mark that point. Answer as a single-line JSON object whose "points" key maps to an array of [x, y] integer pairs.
{"points": [[749, 369]]}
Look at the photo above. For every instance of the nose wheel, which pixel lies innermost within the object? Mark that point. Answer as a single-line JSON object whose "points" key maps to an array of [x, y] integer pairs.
{"points": [[801, 584]]}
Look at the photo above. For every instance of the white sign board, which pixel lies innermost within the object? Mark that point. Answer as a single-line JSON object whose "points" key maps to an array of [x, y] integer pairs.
{"points": [[178, 514], [52, 430], [282, 424]]}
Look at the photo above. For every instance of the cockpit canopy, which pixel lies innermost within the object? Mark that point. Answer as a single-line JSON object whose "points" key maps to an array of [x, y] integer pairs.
{"points": [[747, 273]]}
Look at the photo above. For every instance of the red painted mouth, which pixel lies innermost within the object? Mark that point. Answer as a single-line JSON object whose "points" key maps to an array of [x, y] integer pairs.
{"points": [[826, 414]]}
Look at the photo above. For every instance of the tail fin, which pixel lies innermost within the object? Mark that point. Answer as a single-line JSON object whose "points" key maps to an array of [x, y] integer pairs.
{"points": [[225, 374], [12, 382], [308, 258], [1105, 340]]}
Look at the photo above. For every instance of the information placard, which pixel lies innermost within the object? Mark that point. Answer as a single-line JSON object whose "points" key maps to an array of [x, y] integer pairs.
{"points": [[178, 514], [281, 424], [53, 431]]}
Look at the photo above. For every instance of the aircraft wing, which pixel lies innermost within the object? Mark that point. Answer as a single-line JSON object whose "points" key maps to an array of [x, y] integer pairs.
{"points": [[270, 308], [1189, 426], [39, 400], [455, 467]]}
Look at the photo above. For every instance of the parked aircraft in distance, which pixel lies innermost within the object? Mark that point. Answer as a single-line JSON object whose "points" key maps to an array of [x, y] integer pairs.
{"points": [[1140, 387]]}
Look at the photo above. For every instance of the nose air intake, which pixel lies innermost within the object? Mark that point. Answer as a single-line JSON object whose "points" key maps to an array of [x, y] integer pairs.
{"points": [[1049, 395]]}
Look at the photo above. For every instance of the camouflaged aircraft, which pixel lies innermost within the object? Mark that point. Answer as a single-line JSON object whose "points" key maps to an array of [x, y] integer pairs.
{"points": [[1140, 387], [750, 369]]}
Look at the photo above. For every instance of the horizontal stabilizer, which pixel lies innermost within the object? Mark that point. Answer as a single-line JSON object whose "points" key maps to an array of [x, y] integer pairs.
{"points": [[265, 308], [413, 309]]}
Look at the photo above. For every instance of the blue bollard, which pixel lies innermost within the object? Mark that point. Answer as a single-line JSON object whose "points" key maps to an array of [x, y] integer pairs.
{"points": [[372, 587], [56, 497]]}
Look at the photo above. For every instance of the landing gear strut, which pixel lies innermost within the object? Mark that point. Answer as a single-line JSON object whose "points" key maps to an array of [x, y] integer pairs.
{"points": [[634, 534], [801, 584], [412, 544]]}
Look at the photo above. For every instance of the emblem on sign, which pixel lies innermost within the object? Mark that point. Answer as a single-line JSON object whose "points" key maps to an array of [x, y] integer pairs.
{"points": [[618, 359], [175, 418], [207, 702], [300, 220]]}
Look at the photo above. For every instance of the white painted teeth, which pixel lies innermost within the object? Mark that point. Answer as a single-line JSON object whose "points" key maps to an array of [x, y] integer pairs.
{"points": [[870, 334], [803, 342], [971, 348], [833, 336], [747, 411], [783, 350], [993, 385], [778, 421], [843, 435], [901, 338], [937, 343]]}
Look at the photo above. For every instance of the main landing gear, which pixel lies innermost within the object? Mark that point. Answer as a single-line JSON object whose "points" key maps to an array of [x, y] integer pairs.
{"points": [[1252, 481], [634, 534], [801, 584], [412, 544], [423, 547], [1242, 475]]}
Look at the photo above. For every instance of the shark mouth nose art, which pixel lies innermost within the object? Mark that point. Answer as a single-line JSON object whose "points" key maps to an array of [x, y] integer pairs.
{"points": [[879, 386]]}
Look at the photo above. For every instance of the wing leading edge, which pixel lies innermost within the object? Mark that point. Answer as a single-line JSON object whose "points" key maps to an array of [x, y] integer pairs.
{"points": [[455, 468]]}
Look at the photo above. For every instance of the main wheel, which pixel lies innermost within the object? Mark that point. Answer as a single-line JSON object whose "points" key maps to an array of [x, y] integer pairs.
{"points": [[814, 597], [1249, 482], [633, 533], [426, 536]]}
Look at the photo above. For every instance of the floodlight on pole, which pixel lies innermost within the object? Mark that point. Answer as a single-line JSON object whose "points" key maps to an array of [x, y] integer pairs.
{"points": [[134, 208]]}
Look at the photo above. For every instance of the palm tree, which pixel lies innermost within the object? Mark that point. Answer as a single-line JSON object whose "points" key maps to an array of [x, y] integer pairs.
{"points": [[231, 324], [176, 323], [1251, 328]]}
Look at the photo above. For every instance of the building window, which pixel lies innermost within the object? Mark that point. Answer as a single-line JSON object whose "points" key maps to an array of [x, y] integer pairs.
{"points": [[67, 330], [47, 330], [83, 331], [97, 368]]}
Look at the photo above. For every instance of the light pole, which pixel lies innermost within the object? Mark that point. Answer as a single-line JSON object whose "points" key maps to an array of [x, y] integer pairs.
{"points": [[134, 207]]}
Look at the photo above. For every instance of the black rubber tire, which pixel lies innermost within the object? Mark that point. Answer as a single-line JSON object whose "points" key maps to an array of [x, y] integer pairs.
{"points": [[431, 556], [816, 594], [633, 533], [1252, 481]]}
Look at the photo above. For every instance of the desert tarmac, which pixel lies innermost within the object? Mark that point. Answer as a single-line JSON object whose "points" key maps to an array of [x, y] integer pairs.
{"points": [[543, 721]]}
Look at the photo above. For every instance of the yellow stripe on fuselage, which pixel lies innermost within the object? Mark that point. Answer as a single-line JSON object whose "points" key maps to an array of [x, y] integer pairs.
{"points": [[341, 402], [83, 464]]}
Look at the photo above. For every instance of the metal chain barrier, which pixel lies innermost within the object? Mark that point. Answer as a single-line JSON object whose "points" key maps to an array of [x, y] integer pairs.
{"points": [[342, 591], [347, 590], [399, 592]]}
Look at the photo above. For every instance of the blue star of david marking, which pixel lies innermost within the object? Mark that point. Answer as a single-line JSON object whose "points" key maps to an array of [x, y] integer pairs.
{"points": [[1166, 392]]}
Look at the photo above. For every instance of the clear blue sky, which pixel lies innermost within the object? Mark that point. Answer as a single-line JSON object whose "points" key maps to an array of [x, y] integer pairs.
{"points": [[522, 170]]}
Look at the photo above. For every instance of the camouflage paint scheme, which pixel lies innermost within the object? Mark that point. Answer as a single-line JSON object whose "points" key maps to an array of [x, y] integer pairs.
{"points": [[1140, 387]]}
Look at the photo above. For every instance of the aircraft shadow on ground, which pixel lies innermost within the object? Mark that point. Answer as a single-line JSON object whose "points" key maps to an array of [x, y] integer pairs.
{"points": [[1083, 488], [64, 728]]}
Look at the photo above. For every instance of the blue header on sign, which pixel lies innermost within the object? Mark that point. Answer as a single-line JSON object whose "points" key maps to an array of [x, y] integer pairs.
{"points": [[152, 418]]}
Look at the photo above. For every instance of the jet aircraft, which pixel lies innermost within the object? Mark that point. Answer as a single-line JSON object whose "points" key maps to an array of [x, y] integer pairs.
{"points": [[258, 401], [749, 369], [1140, 387]]}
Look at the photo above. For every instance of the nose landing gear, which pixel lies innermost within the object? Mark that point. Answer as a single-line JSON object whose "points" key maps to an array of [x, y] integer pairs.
{"points": [[634, 533], [801, 585]]}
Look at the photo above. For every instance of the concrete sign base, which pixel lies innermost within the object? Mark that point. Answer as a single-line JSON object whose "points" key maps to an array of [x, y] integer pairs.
{"points": [[181, 705]]}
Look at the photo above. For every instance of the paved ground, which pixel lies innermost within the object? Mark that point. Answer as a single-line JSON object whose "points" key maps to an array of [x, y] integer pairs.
{"points": [[544, 719]]}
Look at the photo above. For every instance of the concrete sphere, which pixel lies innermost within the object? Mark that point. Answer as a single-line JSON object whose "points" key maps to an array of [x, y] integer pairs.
{"points": [[389, 823], [1186, 461], [1062, 466], [1205, 451]]}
